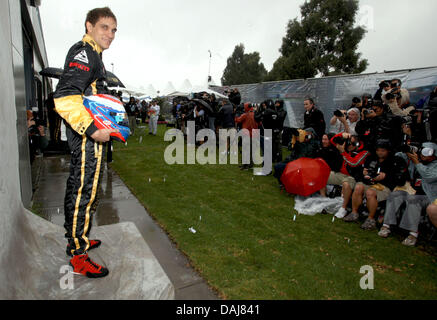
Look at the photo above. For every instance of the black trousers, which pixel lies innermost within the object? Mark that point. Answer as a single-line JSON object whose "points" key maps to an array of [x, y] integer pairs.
{"points": [[82, 185]]}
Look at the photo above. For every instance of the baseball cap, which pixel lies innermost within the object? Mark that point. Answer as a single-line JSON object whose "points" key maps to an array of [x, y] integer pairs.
{"points": [[429, 149]]}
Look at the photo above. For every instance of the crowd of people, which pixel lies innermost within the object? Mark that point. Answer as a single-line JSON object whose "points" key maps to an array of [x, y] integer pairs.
{"points": [[143, 110], [381, 150]]}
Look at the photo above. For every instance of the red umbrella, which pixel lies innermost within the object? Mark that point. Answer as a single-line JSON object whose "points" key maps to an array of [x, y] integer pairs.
{"points": [[305, 176]]}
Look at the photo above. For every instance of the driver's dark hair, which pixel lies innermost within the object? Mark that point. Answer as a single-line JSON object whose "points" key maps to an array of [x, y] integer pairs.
{"points": [[94, 15]]}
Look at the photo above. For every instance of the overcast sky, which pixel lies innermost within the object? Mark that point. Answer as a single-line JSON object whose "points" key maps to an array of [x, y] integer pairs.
{"points": [[168, 40]]}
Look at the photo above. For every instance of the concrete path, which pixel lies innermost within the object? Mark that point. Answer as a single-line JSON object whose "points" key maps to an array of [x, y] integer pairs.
{"points": [[117, 204]]}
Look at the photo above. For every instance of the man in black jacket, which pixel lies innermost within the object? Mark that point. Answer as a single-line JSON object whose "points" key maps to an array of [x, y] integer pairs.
{"points": [[84, 74], [376, 123], [226, 118], [235, 97], [271, 116], [314, 118]]}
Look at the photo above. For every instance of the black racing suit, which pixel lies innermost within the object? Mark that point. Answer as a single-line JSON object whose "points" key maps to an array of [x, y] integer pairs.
{"points": [[84, 74]]}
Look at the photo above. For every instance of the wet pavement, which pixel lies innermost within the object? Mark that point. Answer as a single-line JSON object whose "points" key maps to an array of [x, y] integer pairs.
{"points": [[117, 204]]}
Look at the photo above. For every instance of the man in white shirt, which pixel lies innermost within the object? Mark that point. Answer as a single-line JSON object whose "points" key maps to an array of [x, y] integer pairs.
{"points": [[343, 124], [154, 111]]}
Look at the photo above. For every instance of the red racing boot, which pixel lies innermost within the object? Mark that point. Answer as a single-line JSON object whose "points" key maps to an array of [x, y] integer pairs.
{"points": [[93, 244], [83, 265]]}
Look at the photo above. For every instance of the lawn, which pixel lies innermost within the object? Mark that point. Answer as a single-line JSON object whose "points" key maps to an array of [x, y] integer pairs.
{"points": [[247, 245]]}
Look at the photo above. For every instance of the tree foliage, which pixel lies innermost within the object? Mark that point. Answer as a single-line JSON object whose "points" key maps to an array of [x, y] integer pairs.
{"points": [[324, 42], [243, 68]]}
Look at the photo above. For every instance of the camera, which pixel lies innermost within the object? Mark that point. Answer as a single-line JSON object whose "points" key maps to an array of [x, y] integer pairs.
{"points": [[372, 172], [346, 142], [393, 94], [338, 113], [405, 148], [33, 130], [367, 112]]}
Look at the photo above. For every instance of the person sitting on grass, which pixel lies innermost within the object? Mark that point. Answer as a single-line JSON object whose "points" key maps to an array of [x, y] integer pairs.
{"points": [[330, 153], [415, 204], [353, 156], [376, 184]]}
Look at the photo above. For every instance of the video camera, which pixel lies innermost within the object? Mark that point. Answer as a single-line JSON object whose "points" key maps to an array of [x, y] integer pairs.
{"points": [[347, 142]]}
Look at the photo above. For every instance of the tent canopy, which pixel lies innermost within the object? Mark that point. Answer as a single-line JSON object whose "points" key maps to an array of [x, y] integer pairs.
{"points": [[197, 89]]}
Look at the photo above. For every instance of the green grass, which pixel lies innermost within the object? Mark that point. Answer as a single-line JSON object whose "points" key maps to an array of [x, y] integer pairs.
{"points": [[247, 245]]}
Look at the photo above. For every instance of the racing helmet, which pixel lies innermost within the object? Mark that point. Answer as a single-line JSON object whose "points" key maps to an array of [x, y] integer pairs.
{"points": [[108, 113]]}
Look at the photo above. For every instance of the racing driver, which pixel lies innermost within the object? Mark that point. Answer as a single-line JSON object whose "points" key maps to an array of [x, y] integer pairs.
{"points": [[84, 74]]}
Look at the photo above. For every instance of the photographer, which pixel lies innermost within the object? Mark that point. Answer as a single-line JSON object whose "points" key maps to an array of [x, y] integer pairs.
{"points": [[356, 103], [384, 88], [226, 119], [234, 96], [396, 89], [428, 118], [212, 117], [331, 155], [247, 121], [314, 118], [272, 116], [345, 121], [200, 119], [366, 101], [396, 104], [421, 125], [186, 113], [376, 124], [375, 184], [426, 167], [143, 111], [37, 137], [131, 110], [353, 156]]}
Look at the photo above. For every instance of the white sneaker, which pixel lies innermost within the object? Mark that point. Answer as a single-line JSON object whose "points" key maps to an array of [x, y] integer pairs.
{"points": [[341, 213]]}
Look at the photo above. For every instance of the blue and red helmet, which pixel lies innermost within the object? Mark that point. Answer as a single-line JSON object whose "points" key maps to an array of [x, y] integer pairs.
{"points": [[108, 113]]}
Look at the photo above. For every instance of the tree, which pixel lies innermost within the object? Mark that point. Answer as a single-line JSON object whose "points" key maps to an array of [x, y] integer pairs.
{"points": [[324, 42], [243, 68]]}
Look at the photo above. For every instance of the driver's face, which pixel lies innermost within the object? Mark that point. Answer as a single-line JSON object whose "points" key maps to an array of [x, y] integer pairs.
{"points": [[103, 32]]}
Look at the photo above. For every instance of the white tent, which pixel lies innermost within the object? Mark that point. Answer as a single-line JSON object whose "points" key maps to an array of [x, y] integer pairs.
{"points": [[130, 91], [208, 90], [186, 86], [151, 91], [168, 89], [196, 89]]}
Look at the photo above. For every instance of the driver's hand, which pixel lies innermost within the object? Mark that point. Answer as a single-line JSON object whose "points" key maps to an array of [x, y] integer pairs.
{"points": [[103, 135]]}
